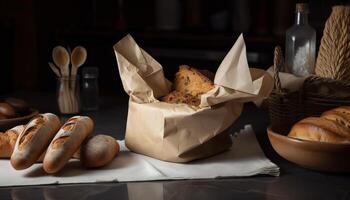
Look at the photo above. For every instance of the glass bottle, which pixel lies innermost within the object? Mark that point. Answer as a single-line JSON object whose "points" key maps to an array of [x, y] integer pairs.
{"points": [[90, 91], [301, 44]]}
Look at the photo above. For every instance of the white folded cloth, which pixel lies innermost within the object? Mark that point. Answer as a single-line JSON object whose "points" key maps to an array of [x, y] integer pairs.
{"points": [[245, 158]]}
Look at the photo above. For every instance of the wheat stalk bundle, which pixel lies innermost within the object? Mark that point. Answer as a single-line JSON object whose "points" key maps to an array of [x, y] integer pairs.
{"points": [[333, 60]]}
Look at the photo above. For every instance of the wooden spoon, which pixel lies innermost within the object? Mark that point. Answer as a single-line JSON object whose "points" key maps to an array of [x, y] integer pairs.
{"points": [[61, 58], [55, 69], [78, 57]]}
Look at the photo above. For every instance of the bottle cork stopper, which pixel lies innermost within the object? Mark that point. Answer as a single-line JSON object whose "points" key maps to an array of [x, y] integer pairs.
{"points": [[302, 7]]}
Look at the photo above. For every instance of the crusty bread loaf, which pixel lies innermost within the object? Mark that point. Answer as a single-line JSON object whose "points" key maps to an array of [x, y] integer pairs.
{"points": [[180, 97], [8, 141], [98, 151], [66, 142], [340, 115], [320, 129], [190, 81], [333, 126], [34, 139]]}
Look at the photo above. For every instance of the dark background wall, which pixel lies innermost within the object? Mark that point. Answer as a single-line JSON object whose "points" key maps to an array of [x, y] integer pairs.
{"points": [[199, 32]]}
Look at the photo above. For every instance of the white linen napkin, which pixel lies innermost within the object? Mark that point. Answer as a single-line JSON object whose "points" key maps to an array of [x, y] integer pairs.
{"points": [[245, 158]]}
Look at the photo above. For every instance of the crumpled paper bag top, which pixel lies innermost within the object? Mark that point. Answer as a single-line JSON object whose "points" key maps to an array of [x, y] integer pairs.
{"points": [[143, 78]]}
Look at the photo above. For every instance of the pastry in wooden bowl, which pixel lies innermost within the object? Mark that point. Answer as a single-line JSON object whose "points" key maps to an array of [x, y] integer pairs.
{"points": [[320, 129], [15, 112], [319, 143], [333, 126]]}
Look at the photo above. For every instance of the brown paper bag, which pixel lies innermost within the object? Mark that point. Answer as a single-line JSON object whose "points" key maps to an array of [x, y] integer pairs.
{"points": [[179, 132]]}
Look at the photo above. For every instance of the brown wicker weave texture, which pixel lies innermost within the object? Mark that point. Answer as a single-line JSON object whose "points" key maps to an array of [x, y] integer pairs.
{"points": [[333, 59]]}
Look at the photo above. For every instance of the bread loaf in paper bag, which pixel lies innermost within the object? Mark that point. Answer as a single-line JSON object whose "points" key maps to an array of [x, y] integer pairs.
{"points": [[180, 132]]}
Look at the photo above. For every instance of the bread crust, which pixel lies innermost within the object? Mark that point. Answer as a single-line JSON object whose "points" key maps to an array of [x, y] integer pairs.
{"points": [[191, 81], [99, 151], [318, 129], [340, 117], [34, 139], [8, 141], [180, 97], [66, 142], [333, 126]]}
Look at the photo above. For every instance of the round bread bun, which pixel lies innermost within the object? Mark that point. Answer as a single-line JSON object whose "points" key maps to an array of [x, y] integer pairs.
{"points": [[99, 151]]}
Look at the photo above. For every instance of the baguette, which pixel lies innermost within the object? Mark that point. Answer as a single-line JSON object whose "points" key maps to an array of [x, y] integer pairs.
{"points": [[34, 139], [66, 142], [98, 151], [8, 141]]}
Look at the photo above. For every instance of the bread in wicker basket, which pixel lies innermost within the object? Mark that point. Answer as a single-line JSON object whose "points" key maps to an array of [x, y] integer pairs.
{"points": [[316, 95]]}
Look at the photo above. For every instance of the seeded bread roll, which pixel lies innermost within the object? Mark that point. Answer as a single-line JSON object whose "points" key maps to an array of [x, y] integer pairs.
{"points": [[8, 141], [66, 142], [180, 97], [190, 81], [98, 151], [34, 139]]}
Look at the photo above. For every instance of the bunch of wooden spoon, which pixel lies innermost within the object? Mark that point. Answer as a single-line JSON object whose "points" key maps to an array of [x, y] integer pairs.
{"points": [[65, 66]]}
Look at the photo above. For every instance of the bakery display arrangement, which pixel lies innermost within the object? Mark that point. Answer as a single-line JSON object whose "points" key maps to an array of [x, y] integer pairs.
{"points": [[309, 116], [44, 139], [294, 98], [165, 119]]}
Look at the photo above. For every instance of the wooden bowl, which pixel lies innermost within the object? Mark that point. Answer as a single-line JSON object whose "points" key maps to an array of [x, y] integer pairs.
{"points": [[314, 155], [6, 124]]}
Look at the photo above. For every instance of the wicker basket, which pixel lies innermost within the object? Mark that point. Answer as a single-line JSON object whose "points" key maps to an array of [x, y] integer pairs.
{"points": [[315, 96]]}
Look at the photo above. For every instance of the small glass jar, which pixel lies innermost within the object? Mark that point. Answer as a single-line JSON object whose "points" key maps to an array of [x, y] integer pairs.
{"points": [[68, 95], [90, 90]]}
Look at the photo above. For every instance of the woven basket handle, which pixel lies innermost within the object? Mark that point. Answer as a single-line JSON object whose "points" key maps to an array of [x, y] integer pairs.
{"points": [[277, 66]]}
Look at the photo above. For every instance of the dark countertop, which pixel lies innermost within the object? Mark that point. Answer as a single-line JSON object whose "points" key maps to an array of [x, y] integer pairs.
{"points": [[294, 182]]}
